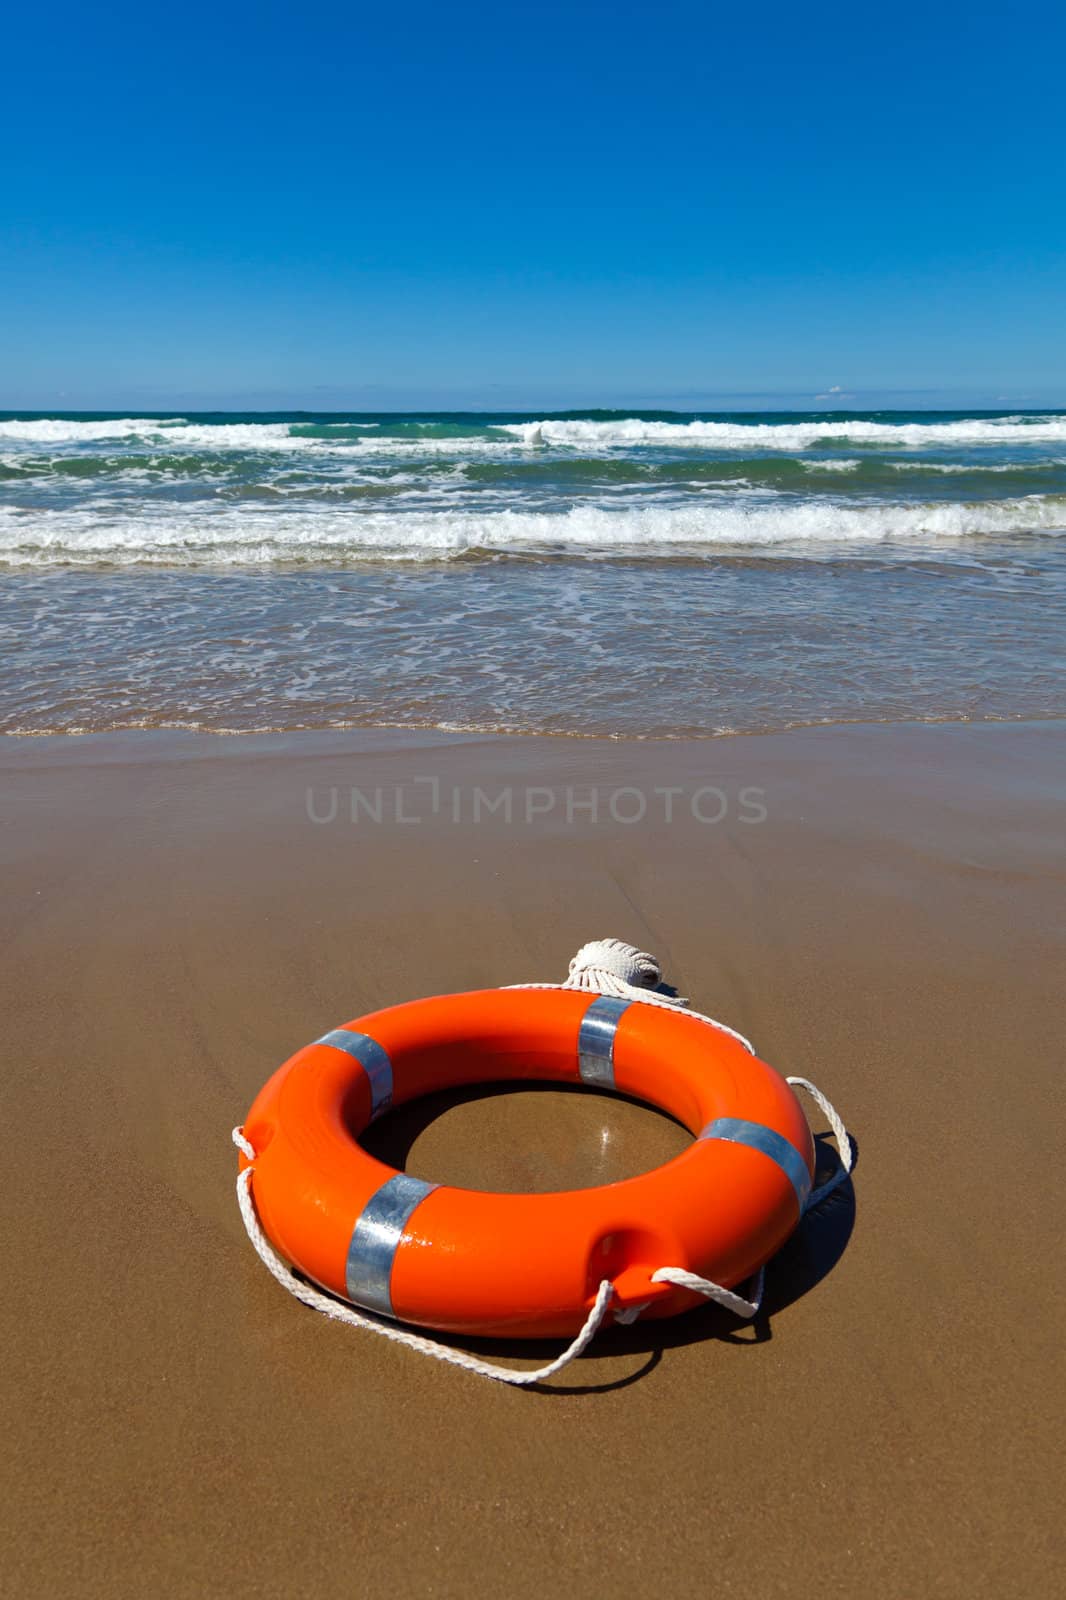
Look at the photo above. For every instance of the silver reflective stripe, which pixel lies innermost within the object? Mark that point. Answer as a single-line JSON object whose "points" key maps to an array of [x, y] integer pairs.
{"points": [[772, 1144], [374, 1060], [376, 1238], [595, 1041]]}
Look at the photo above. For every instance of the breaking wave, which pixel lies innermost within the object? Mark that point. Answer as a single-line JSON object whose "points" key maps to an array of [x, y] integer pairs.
{"points": [[176, 536], [481, 433], [630, 431]]}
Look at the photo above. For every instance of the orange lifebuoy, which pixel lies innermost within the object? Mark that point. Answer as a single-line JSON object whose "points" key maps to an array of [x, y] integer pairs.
{"points": [[469, 1262]]}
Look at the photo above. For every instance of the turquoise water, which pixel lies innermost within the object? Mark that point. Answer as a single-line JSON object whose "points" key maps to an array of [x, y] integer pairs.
{"points": [[586, 572]]}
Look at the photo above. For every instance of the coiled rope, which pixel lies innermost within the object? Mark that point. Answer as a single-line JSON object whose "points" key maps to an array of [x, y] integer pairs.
{"points": [[607, 967]]}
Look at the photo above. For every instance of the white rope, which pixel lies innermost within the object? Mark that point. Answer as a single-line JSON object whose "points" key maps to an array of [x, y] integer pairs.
{"points": [[714, 1291], [607, 967], [844, 1145], [330, 1307], [245, 1146]]}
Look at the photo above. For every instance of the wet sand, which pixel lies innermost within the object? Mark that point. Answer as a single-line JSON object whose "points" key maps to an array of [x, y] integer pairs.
{"points": [[175, 924]]}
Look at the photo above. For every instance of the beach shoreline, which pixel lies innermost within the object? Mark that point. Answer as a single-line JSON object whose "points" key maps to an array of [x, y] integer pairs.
{"points": [[876, 907], [647, 573]]}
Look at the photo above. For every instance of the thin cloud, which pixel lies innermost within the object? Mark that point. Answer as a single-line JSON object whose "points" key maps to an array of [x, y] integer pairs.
{"points": [[836, 392]]}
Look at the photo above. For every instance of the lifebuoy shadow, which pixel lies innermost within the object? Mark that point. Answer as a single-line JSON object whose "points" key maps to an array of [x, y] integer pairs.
{"points": [[808, 1257]]}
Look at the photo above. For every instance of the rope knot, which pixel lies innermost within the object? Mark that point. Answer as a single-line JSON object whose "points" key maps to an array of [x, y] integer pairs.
{"points": [[608, 966]]}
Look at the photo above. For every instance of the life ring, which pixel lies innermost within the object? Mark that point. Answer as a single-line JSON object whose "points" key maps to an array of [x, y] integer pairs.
{"points": [[512, 1265]]}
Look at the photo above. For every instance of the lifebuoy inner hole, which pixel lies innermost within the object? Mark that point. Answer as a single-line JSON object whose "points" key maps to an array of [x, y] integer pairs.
{"points": [[525, 1137]]}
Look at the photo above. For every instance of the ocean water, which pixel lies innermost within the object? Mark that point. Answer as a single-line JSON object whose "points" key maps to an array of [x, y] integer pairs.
{"points": [[586, 573]]}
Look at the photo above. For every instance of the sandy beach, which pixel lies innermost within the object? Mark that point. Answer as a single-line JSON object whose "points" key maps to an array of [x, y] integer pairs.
{"points": [[877, 908]]}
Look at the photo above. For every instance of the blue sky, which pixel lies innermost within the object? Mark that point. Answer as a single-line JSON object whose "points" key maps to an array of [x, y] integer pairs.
{"points": [[548, 204]]}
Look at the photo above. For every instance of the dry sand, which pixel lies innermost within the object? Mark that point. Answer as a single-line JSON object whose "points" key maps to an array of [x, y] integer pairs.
{"points": [[174, 925]]}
